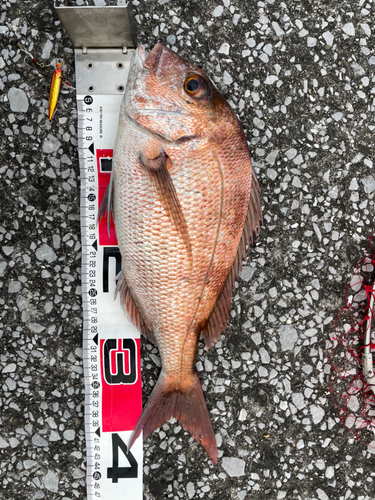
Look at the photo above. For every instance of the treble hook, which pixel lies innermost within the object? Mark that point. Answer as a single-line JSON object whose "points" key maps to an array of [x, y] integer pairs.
{"points": [[28, 54]]}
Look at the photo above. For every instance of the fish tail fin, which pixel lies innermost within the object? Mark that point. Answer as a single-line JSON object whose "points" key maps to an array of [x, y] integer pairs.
{"points": [[183, 401]]}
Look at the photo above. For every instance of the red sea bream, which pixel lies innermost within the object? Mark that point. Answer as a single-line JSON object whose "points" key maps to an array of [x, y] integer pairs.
{"points": [[186, 207]]}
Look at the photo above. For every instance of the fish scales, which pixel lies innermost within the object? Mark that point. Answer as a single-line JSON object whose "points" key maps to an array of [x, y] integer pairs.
{"points": [[182, 183]]}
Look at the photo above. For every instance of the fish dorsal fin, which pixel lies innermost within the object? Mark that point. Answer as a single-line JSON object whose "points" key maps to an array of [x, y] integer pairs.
{"points": [[219, 317], [131, 309], [158, 170], [106, 205]]}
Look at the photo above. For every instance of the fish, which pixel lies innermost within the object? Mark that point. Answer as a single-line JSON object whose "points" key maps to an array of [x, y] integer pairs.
{"points": [[54, 90], [186, 206]]}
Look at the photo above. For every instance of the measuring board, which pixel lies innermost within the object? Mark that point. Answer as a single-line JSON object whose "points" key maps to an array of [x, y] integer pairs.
{"points": [[102, 37]]}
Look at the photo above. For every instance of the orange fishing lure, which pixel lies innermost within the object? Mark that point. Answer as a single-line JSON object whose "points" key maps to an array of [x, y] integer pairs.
{"points": [[55, 90]]}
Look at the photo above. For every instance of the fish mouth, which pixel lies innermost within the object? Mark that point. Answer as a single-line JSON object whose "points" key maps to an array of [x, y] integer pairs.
{"points": [[150, 60], [141, 53]]}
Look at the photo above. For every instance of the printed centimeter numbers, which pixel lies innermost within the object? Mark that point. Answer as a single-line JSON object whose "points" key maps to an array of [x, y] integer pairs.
{"points": [[110, 350], [87, 118]]}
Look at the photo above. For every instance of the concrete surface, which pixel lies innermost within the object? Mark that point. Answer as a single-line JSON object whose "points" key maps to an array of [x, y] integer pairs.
{"points": [[300, 76]]}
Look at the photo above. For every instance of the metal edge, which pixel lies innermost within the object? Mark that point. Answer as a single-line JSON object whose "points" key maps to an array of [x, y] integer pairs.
{"points": [[130, 16], [133, 23]]}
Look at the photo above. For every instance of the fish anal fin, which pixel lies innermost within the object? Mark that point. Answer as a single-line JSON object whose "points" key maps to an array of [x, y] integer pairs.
{"points": [[184, 401], [218, 320], [106, 205], [131, 309], [157, 167]]}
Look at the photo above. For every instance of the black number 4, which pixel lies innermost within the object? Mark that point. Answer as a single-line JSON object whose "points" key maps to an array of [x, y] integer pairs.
{"points": [[115, 472]]}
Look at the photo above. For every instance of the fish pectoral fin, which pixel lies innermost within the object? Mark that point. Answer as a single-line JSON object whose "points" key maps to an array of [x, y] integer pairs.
{"points": [[131, 310], [217, 322], [106, 205], [184, 401], [157, 168]]}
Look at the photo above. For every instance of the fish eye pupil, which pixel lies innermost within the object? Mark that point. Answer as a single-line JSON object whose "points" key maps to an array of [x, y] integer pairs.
{"points": [[192, 85]]}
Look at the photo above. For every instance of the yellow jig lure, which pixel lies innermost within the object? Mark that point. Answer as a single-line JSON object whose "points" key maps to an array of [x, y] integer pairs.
{"points": [[55, 90]]}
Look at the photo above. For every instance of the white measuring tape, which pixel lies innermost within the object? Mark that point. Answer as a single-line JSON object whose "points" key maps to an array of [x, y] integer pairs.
{"points": [[111, 344]]}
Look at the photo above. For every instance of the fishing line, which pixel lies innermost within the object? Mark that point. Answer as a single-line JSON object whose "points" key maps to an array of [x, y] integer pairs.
{"points": [[351, 350]]}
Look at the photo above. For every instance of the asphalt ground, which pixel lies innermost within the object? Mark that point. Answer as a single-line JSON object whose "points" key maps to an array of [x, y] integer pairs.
{"points": [[300, 76]]}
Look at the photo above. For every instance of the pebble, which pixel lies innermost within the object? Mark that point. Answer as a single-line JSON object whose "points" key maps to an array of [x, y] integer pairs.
{"points": [[278, 30], [14, 287], [298, 400], [54, 436], [337, 116], [45, 252], [28, 464], [321, 494], [3, 266], [18, 100], [264, 356], [218, 11], [190, 489], [224, 49], [227, 79], [311, 41], [288, 337], [48, 46], [349, 29], [317, 413], [11, 384], [10, 368], [78, 473], [50, 144], [3, 443], [69, 434], [271, 157], [247, 273], [243, 415], [39, 441], [171, 39], [271, 174], [330, 472], [234, 467], [271, 79], [51, 482], [328, 37], [368, 184]]}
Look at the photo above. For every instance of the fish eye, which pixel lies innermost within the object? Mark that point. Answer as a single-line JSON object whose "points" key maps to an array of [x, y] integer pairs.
{"points": [[195, 86]]}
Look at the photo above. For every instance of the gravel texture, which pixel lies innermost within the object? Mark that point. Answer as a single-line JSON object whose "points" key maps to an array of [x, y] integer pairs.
{"points": [[300, 76]]}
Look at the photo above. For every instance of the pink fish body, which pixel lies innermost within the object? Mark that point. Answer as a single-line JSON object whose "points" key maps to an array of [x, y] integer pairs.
{"points": [[186, 206]]}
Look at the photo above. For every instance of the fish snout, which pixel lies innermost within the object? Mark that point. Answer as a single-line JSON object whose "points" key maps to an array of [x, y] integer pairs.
{"points": [[141, 52], [153, 58]]}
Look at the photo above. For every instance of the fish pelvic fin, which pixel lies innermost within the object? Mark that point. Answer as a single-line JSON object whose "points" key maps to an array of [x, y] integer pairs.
{"points": [[106, 205], [158, 170], [130, 309], [184, 401], [217, 322]]}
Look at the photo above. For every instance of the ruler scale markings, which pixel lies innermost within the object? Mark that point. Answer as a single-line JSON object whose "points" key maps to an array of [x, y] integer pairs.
{"points": [[111, 408]]}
